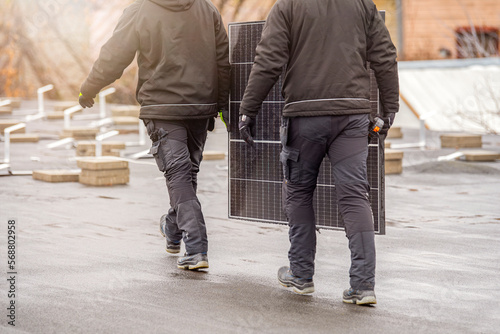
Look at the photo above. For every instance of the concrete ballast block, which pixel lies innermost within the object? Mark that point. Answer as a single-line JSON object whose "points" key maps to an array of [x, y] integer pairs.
{"points": [[6, 110], [395, 132], [6, 123], [24, 138], [107, 145], [481, 155], [101, 164], [390, 154], [461, 140], [105, 173], [80, 133], [213, 155], [15, 102], [393, 167], [104, 181], [393, 161], [55, 115], [91, 153], [127, 131], [56, 175]]}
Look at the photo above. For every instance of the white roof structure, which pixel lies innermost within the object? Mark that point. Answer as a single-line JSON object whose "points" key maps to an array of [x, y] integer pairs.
{"points": [[451, 95]]}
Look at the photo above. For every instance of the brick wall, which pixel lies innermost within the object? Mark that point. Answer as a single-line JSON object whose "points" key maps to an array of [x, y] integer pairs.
{"points": [[430, 24]]}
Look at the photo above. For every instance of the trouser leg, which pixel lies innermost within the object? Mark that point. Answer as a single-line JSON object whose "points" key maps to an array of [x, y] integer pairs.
{"points": [[172, 230], [301, 158], [174, 158], [362, 271], [348, 153], [302, 229]]}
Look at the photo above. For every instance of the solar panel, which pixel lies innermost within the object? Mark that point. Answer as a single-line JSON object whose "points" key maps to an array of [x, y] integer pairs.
{"points": [[255, 174]]}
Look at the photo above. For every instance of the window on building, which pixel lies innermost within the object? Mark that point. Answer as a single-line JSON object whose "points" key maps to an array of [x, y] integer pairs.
{"points": [[476, 42]]}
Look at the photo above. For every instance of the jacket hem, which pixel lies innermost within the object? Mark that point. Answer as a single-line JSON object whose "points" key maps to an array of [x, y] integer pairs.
{"points": [[339, 112], [178, 111], [328, 106]]}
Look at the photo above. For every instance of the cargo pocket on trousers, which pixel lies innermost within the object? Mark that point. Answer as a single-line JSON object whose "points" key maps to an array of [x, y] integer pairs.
{"points": [[289, 157], [159, 150]]}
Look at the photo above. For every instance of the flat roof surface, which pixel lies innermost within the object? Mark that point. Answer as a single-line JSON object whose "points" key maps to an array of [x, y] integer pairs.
{"points": [[92, 260], [452, 95]]}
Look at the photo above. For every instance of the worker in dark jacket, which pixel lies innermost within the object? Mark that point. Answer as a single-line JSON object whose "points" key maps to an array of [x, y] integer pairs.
{"points": [[325, 46], [183, 57]]}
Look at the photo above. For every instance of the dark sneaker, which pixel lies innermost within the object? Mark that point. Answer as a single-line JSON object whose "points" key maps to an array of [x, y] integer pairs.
{"points": [[196, 261], [300, 285], [173, 247], [360, 297]]}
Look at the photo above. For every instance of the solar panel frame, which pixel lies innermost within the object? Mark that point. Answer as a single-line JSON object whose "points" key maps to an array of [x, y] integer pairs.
{"points": [[256, 176]]}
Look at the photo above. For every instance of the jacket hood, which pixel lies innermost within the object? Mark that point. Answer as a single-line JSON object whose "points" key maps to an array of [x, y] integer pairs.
{"points": [[174, 5]]}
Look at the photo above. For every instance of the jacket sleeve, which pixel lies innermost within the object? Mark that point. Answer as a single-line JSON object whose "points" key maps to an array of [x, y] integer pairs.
{"points": [[271, 56], [381, 53], [116, 54], [223, 67]]}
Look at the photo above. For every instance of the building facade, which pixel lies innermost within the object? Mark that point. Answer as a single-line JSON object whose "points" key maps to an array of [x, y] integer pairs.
{"points": [[440, 29], [420, 29]]}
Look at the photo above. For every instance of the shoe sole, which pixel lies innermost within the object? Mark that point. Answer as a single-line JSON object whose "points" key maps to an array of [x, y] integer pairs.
{"points": [[296, 290], [199, 265], [364, 301], [173, 251]]}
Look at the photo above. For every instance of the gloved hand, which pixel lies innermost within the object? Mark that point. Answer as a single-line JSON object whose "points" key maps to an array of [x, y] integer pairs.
{"points": [[85, 101], [388, 120], [247, 129], [224, 116]]}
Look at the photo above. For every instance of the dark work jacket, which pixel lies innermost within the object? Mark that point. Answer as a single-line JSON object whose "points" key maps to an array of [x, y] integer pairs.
{"points": [[183, 57], [324, 45]]}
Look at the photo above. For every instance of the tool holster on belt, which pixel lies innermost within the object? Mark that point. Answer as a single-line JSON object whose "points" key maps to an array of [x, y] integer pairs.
{"points": [[158, 134]]}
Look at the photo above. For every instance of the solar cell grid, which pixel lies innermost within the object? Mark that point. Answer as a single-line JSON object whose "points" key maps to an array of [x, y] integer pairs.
{"points": [[255, 174]]}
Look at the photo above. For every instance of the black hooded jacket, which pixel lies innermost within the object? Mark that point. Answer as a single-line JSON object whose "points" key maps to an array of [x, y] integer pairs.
{"points": [[183, 57], [325, 45]]}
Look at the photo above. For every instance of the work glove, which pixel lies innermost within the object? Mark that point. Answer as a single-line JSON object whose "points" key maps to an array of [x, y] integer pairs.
{"points": [[247, 129], [388, 120], [85, 101], [224, 116]]}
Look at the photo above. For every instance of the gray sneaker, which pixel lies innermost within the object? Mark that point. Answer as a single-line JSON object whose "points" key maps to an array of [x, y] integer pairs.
{"points": [[172, 247], [360, 297], [301, 286], [195, 261]]}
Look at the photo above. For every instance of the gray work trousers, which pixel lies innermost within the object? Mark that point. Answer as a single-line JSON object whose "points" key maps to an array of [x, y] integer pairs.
{"points": [[178, 151], [306, 141]]}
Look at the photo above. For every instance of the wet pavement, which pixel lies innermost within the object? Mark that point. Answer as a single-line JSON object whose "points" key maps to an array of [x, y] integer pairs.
{"points": [[91, 259]]}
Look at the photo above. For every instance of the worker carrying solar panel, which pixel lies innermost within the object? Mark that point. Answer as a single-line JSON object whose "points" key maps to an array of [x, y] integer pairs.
{"points": [[325, 46], [183, 56]]}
